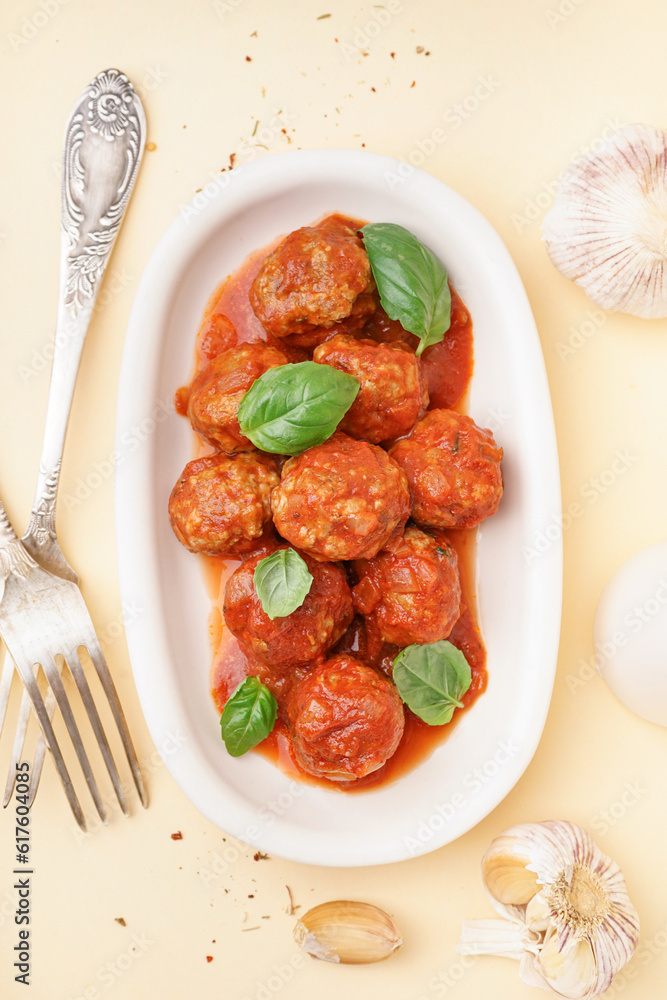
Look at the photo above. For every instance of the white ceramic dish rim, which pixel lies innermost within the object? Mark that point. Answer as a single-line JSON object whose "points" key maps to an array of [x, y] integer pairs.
{"points": [[140, 572]]}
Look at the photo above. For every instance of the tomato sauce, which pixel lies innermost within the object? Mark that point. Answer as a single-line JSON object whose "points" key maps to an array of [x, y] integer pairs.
{"points": [[448, 367]]}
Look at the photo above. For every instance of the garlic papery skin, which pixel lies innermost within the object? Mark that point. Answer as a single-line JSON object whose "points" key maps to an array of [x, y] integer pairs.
{"points": [[607, 228], [577, 930], [348, 932]]}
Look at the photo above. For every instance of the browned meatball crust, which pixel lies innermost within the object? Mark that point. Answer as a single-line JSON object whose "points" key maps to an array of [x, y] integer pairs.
{"points": [[346, 720], [411, 593], [222, 503], [393, 394], [318, 276], [300, 638], [453, 468], [218, 389], [341, 500]]}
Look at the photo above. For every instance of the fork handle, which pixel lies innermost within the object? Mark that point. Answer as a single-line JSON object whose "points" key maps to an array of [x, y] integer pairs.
{"points": [[104, 143], [13, 556]]}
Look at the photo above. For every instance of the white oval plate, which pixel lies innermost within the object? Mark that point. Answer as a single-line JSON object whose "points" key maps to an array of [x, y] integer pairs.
{"points": [[519, 590]]}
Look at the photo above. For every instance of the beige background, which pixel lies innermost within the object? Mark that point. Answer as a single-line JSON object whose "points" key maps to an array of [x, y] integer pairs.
{"points": [[551, 77]]}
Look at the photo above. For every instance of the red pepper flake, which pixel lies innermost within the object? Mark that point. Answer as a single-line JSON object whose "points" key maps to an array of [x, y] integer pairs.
{"points": [[259, 856], [248, 59], [393, 55], [412, 84], [209, 958], [232, 159], [177, 836], [251, 895], [374, 90]]}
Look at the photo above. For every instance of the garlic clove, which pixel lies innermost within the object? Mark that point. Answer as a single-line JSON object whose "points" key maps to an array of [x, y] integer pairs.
{"points": [[607, 229], [570, 973], [348, 932], [505, 871], [538, 914]]}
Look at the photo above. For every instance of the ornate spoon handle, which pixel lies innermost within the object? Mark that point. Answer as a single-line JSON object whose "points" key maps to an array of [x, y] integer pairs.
{"points": [[104, 143]]}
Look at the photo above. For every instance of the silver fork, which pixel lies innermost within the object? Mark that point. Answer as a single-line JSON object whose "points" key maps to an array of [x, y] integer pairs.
{"points": [[43, 616], [104, 142]]}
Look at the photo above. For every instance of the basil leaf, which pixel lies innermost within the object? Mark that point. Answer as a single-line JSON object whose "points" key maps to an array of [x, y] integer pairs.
{"points": [[411, 280], [248, 717], [294, 407], [282, 582], [432, 679]]}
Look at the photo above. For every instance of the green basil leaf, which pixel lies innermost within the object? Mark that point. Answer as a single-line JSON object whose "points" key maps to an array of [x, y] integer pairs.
{"points": [[248, 717], [282, 582], [294, 407], [431, 679], [411, 280]]}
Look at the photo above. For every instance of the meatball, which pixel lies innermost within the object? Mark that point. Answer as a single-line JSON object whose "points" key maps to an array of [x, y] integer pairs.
{"points": [[412, 593], [318, 276], [346, 720], [393, 394], [300, 638], [222, 503], [341, 500], [216, 334], [453, 468], [218, 389]]}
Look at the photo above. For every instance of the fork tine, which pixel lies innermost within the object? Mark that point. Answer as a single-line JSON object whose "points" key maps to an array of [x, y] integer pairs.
{"points": [[17, 749], [74, 664], [97, 656], [52, 675], [40, 753], [30, 684], [5, 686]]}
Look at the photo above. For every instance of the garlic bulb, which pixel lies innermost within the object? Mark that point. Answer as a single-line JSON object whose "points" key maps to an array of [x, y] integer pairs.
{"points": [[607, 229], [347, 931], [569, 920]]}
